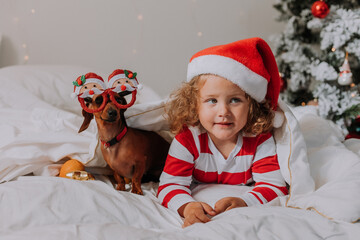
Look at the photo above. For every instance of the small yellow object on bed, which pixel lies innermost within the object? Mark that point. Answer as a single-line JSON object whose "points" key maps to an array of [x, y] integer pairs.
{"points": [[80, 175], [75, 169]]}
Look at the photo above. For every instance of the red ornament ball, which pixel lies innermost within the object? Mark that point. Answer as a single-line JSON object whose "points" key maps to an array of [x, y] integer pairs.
{"points": [[320, 9]]}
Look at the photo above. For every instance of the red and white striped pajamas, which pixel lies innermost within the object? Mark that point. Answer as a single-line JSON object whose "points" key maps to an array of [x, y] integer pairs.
{"points": [[194, 157]]}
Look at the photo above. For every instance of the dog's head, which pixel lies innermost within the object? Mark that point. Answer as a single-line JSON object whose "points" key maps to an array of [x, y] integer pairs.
{"points": [[108, 116]]}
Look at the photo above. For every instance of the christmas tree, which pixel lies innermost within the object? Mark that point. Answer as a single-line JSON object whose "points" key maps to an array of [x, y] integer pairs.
{"points": [[318, 54]]}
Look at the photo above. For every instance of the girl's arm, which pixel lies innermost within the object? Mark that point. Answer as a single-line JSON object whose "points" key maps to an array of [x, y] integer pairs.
{"points": [[269, 183], [174, 188]]}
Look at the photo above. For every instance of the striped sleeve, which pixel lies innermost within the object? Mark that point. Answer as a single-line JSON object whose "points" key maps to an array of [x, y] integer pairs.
{"points": [[269, 183], [174, 187]]}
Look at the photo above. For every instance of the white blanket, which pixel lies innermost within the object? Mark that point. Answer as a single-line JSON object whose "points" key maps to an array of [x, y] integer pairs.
{"points": [[39, 124], [56, 208]]}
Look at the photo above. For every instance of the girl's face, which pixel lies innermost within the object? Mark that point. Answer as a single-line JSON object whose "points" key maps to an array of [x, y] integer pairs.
{"points": [[223, 108]]}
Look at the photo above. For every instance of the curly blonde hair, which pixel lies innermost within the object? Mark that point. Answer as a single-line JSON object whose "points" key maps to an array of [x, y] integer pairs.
{"points": [[182, 109]]}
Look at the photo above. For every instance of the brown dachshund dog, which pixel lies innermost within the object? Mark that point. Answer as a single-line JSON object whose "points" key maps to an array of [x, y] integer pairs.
{"points": [[132, 153]]}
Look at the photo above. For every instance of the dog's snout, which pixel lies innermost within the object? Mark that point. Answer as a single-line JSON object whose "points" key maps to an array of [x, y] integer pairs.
{"points": [[112, 113]]}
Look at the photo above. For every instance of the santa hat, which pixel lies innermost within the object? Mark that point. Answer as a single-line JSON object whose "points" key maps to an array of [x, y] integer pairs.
{"points": [[87, 78], [120, 73], [248, 63]]}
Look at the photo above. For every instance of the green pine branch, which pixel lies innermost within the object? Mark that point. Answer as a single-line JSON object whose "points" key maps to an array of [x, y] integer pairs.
{"points": [[351, 113]]}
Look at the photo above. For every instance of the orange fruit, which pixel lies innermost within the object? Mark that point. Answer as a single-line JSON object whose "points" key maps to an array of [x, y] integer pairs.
{"points": [[70, 166]]}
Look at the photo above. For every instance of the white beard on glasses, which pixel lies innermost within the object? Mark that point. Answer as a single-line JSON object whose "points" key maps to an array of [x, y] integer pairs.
{"points": [[95, 91], [118, 89]]}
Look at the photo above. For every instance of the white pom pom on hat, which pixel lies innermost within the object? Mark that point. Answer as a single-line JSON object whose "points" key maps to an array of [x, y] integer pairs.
{"points": [[73, 95], [248, 63], [278, 119]]}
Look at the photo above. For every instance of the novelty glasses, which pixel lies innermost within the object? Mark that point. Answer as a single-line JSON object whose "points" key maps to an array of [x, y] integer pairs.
{"points": [[93, 94]]}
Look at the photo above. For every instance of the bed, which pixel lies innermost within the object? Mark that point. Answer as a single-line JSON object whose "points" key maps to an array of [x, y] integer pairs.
{"points": [[39, 124]]}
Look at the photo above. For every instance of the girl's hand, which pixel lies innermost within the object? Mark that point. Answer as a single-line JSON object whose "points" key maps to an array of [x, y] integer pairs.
{"points": [[228, 203], [194, 212]]}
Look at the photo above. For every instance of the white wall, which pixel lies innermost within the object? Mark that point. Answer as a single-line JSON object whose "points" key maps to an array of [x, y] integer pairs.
{"points": [[156, 38]]}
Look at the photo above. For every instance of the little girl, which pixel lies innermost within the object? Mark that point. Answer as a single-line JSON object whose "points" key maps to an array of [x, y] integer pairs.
{"points": [[222, 117]]}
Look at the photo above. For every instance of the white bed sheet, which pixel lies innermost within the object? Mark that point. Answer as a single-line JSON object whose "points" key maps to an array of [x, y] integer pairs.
{"points": [[56, 208], [39, 126]]}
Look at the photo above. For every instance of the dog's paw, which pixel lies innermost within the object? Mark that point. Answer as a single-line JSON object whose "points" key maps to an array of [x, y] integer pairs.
{"points": [[137, 191], [120, 187]]}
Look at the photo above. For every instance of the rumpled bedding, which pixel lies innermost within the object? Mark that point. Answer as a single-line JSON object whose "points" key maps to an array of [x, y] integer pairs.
{"points": [[39, 123]]}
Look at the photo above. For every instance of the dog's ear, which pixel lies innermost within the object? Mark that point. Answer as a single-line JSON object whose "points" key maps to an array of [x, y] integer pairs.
{"points": [[87, 119]]}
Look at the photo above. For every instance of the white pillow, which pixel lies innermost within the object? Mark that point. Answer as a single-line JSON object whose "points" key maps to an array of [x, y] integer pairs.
{"points": [[353, 145], [49, 86], [292, 155], [28, 87], [335, 169]]}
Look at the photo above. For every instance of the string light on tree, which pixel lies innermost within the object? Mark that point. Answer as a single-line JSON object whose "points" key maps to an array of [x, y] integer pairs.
{"points": [[313, 102], [283, 83]]}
